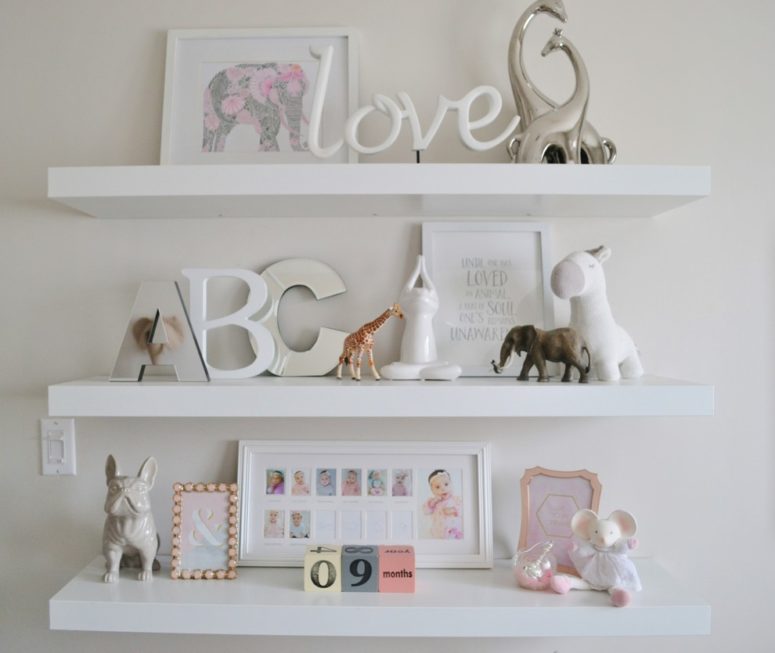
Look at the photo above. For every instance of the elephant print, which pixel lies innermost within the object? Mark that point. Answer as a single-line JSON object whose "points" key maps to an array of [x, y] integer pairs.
{"points": [[267, 96]]}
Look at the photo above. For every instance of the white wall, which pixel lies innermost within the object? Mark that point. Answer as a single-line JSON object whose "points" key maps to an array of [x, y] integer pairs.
{"points": [[672, 82]]}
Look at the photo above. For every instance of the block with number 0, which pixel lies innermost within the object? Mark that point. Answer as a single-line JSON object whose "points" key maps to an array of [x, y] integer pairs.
{"points": [[323, 569], [360, 568]]}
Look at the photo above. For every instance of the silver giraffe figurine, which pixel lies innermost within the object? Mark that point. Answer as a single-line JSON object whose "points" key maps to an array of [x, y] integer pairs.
{"points": [[532, 103]]}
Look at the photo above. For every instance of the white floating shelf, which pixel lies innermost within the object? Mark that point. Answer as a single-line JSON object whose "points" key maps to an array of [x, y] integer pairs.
{"points": [[447, 603], [358, 190], [327, 397]]}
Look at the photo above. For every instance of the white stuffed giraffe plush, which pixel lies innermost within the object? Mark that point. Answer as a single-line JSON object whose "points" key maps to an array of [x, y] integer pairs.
{"points": [[580, 278], [600, 556]]}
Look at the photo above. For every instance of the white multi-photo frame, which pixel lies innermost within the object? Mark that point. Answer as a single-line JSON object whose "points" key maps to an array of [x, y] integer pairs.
{"points": [[433, 495]]}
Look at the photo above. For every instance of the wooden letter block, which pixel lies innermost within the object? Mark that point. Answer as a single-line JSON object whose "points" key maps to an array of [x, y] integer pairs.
{"points": [[360, 568], [396, 569], [323, 569]]}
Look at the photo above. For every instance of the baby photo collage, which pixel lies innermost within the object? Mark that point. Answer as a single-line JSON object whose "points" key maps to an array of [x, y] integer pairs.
{"points": [[303, 504]]}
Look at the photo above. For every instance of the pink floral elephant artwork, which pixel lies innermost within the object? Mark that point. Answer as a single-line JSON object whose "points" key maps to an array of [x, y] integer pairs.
{"points": [[267, 96]]}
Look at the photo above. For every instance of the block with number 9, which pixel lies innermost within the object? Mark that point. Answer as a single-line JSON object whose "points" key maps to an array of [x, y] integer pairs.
{"points": [[323, 569], [360, 568]]}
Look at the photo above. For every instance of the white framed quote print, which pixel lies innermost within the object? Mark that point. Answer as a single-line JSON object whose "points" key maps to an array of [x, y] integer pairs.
{"points": [[490, 277], [432, 495]]}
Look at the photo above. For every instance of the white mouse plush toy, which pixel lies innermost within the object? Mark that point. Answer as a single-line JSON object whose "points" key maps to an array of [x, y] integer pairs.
{"points": [[600, 556]]}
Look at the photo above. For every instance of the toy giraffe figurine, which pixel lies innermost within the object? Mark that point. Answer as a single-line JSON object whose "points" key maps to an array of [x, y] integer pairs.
{"points": [[362, 341]]}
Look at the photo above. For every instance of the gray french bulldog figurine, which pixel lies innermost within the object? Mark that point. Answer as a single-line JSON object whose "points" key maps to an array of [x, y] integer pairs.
{"points": [[130, 531]]}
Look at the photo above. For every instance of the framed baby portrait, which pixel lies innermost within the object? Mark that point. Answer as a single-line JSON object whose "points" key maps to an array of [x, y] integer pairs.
{"points": [[490, 277], [432, 495], [550, 498], [204, 531], [246, 95]]}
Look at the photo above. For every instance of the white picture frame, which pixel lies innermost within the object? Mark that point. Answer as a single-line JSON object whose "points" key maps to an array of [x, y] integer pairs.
{"points": [[230, 93], [449, 525], [490, 277]]}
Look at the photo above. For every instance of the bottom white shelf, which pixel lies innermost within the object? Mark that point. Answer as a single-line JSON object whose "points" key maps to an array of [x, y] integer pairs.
{"points": [[448, 603]]}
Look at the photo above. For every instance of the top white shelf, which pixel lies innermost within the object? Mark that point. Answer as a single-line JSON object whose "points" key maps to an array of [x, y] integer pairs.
{"points": [[358, 190]]}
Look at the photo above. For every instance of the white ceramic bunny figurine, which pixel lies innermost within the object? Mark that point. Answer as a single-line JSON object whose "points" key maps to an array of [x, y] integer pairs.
{"points": [[600, 556], [129, 527]]}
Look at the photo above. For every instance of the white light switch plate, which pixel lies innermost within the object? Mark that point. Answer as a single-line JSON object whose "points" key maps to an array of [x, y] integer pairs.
{"points": [[57, 447]]}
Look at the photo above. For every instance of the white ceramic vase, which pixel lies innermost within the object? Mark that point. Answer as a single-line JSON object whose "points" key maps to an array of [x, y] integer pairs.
{"points": [[418, 345]]}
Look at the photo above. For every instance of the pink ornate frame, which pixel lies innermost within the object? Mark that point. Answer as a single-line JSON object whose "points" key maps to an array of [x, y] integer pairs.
{"points": [[550, 498]]}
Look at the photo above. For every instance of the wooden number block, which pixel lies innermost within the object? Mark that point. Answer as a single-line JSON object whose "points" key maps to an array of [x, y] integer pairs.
{"points": [[360, 568], [323, 569], [396, 569]]}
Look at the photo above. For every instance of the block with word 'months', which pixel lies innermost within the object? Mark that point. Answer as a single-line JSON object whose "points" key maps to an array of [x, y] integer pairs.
{"points": [[360, 568], [323, 569], [396, 569]]}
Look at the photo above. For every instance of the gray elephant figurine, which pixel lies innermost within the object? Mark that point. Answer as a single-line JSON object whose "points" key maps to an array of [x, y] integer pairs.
{"points": [[558, 346], [267, 97]]}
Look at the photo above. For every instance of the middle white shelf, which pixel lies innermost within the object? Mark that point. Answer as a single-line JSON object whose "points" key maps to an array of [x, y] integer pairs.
{"points": [[328, 397]]}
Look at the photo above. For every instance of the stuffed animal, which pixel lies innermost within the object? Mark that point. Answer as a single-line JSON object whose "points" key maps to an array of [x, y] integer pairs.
{"points": [[580, 278], [600, 556]]}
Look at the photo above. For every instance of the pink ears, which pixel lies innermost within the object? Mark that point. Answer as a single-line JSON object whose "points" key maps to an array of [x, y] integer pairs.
{"points": [[581, 522], [625, 521]]}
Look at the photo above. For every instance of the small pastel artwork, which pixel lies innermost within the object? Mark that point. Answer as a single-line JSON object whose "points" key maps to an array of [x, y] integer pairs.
{"points": [[300, 483], [257, 107], [325, 483], [441, 509], [275, 481], [204, 538], [274, 524], [299, 526], [401, 483], [351, 482], [377, 483]]}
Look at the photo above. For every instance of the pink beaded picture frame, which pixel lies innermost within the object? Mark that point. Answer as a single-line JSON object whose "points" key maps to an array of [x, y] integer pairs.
{"points": [[204, 531]]}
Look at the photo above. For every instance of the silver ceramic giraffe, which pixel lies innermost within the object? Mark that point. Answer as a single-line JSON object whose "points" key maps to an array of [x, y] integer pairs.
{"points": [[532, 103], [557, 133]]}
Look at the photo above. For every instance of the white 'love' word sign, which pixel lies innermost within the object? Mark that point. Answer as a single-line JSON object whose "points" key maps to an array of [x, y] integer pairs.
{"points": [[397, 113]]}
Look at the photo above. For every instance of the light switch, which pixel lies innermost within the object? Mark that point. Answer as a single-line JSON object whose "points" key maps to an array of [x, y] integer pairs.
{"points": [[57, 447], [56, 451]]}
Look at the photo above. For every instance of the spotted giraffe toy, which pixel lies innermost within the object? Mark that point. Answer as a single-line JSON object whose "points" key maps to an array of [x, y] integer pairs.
{"points": [[362, 341]]}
